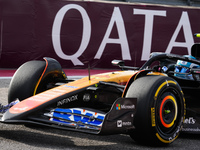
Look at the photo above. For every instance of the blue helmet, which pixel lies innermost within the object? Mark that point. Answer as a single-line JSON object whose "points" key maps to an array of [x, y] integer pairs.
{"points": [[184, 67]]}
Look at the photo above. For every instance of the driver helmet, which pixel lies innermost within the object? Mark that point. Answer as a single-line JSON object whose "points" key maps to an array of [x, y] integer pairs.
{"points": [[184, 67]]}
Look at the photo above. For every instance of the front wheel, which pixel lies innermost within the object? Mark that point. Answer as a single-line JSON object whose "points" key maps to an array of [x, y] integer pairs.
{"points": [[160, 109], [34, 77]]}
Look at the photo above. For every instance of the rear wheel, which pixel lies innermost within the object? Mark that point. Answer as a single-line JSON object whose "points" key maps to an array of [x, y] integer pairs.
{"points": [[160, 109]]}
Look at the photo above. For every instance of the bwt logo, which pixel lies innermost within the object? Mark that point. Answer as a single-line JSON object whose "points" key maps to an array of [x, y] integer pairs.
{"points": [[78, 115]]}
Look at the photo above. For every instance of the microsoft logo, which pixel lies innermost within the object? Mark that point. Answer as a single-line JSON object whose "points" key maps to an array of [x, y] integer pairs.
{"points": [[118, 107]]}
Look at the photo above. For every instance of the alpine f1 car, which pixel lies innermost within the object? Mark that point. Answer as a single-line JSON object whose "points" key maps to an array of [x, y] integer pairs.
{"points": [[152, 103]]}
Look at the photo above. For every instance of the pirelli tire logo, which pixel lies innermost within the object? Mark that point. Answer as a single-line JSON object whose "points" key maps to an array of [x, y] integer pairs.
{"points": [[153, 122]]}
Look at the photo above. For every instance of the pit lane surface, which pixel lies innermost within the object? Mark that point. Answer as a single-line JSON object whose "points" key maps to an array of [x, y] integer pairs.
{"points": [[18, 137]]}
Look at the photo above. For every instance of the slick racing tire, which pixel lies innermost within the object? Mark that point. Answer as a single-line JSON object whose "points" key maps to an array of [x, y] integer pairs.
{"points": [[160, 110], [24, 80], [33, 77]]}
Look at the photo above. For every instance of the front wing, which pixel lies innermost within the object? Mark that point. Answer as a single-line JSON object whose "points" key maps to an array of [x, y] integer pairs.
{"points": [[118, 120]]}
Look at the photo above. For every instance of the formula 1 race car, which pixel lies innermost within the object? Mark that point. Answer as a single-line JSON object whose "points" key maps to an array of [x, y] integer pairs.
{"points": [[148, 103]]}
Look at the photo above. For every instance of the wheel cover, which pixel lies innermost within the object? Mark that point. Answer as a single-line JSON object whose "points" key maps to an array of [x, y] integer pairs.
{"points": [[168, 111]]}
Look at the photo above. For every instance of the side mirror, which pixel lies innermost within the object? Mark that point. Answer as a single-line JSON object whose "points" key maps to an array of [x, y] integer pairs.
{"points": [[118, 62], [121, 65]]}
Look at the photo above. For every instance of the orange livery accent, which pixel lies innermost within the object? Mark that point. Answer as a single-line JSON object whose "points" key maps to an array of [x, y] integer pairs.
{"points": [[39, 99]]}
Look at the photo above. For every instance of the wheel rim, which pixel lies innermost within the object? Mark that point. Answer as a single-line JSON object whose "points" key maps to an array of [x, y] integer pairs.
{"points": [[167, 113]]}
